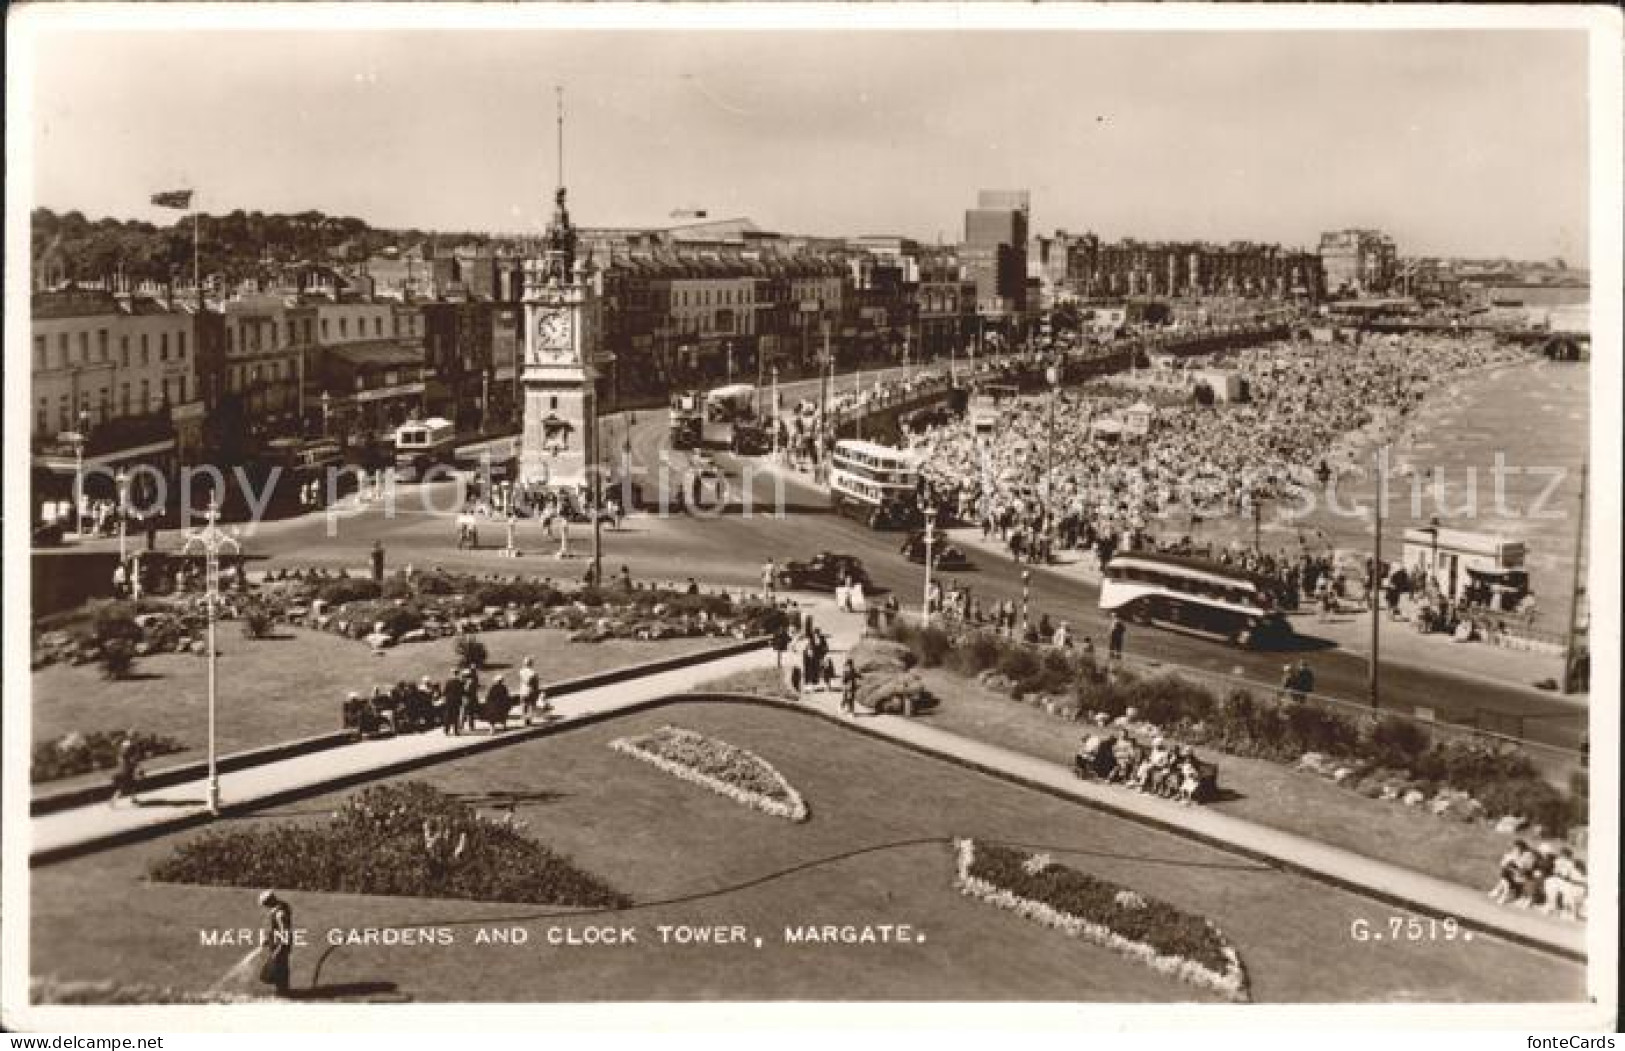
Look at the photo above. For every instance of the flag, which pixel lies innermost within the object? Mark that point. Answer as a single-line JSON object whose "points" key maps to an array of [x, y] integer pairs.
{"points": [[181, 199]]}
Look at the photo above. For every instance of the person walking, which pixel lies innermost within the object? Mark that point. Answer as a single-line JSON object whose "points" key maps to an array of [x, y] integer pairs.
{"points": [[451, 716], [377, 561], [770, 579], [277, 943], [530, 689], [1114, 641], [849, 689], [471, 698], [564, 537], [128, 771], [498, 702], [781, 642]]}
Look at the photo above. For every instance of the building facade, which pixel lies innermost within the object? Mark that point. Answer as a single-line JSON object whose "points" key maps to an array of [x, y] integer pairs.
{"points": [[994, 253], [1358, 262]]}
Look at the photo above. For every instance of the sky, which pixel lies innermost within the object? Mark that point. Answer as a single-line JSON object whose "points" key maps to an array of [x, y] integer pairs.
{"points": [[1470, 143]]}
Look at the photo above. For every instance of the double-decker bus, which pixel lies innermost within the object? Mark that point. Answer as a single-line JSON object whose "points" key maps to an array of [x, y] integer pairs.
{"points": [[423, 444], [1194, 595], [724, 418], [875, 484], [294, 463]]}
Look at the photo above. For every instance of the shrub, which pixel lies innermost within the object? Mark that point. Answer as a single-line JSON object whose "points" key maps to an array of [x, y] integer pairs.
{"points": [[405, 839], [1398, 742], [1531, 798], [977, 653], [1311, 728], [257, 621], [1020, 665], [471, 650], [114, 622], [436, 584], [80, 753], [397, 587], [1469, 765], [1168, 700], [338, 592]]}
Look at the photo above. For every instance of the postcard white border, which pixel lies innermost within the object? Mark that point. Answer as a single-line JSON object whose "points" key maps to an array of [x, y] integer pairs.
{"points": [[27, 22]]}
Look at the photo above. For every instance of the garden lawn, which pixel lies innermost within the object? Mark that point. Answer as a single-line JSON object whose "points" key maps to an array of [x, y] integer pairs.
{"points": [[1255, 790], [292, 685], [876, 851]]}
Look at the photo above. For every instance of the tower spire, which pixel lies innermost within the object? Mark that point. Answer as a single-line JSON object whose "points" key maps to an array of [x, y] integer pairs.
{"points": [[561, 236]]}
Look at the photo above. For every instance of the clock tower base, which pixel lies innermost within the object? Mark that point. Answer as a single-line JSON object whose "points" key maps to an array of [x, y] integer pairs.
{"points": [[557, 443]]}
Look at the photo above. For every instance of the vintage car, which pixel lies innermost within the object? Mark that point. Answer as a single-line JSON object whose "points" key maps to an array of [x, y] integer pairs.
{"points": [[943, 554], [824, 572], [751, 440]]}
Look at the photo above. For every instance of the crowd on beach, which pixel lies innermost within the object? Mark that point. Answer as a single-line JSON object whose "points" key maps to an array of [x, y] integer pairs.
{"points": [[1310, 410]]}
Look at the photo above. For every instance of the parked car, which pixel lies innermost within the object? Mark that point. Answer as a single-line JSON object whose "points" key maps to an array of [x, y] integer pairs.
{"points": [[943, 554], [824, 572]]}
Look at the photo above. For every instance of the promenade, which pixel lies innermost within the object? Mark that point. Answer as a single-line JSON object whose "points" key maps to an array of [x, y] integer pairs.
{"points": [[86, 829], [1398, 642]]}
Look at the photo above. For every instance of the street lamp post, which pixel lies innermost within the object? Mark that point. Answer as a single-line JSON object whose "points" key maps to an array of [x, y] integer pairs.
{"points": [[775, 412], [1026, 596], [211, 540], [77, 439], [123, 481], [1053, 375]]}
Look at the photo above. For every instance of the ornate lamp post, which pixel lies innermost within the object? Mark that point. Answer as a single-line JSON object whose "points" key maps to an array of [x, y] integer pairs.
{"points": [[77, 439], [212, 540]]}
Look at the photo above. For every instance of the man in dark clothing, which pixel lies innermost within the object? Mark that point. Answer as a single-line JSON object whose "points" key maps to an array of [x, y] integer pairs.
{"points": [[451, 716], [1115, 639], [1303, 681], [377, 561], [497, 703]]}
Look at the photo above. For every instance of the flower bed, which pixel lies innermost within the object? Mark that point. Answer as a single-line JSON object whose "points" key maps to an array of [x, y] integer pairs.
{"points": [[1161, 936], [58, 991], [717, 765], [80, 753], [408, 840]]}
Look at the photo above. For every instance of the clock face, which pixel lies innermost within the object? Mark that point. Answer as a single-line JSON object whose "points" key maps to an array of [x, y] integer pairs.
{"points": [[553, 336]]}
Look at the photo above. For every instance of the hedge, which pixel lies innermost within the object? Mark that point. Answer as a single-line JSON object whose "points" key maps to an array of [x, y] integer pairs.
{"points": [[1268, 726]]}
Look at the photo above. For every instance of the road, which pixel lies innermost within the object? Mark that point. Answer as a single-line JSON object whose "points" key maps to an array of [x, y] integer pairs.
{"points": [[730, 546]]}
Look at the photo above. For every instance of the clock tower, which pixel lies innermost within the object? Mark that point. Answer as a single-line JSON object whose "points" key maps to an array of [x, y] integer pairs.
{"points": [[560, 435]]}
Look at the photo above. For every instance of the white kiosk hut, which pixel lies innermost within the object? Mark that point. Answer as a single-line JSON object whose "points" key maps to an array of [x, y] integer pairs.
{"points": [[1457, 559], [1137, 419]]}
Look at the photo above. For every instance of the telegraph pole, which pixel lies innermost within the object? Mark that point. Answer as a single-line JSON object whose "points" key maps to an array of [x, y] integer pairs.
{"points": [[823, 398], [1376, 579], [1574, 596]]}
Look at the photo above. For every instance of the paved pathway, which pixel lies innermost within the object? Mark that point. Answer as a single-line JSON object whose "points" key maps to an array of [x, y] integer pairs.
{"points": [[185, 802], [88, 826]]}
